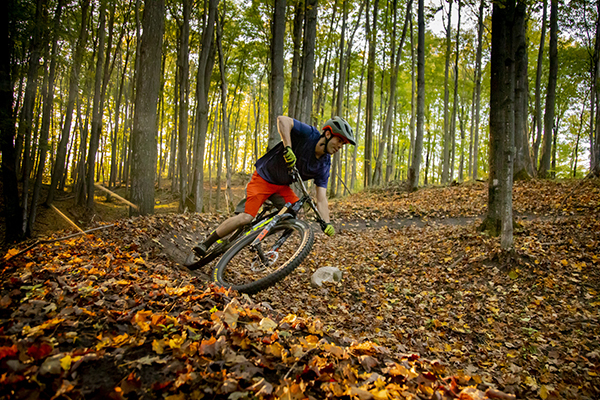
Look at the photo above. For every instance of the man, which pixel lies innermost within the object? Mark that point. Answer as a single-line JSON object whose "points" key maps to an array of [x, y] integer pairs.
{"points": [[301, 146]]}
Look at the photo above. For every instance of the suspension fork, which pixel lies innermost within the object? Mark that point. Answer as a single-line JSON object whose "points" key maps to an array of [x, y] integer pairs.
{"points": [[255, 245]]}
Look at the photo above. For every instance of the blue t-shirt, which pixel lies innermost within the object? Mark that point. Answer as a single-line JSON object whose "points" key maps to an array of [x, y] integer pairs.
{"points": [[273, 169]]}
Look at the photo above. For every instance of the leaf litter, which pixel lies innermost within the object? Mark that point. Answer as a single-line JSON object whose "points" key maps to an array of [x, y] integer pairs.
{"points": [[436, 312]]}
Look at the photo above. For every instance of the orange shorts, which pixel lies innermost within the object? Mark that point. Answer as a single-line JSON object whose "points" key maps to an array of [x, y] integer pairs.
{"points": [[259, 190]]}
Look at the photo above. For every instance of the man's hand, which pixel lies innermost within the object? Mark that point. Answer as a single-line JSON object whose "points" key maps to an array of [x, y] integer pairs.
{"points": [[289, 157], [329, 230]]}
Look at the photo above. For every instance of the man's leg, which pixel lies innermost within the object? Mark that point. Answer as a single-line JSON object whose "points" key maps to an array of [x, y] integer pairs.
{"points": [[256, 193]]}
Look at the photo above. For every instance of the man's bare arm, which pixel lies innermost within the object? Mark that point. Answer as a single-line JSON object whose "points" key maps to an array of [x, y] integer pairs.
{"points": [[284, 126], [322, 204]]}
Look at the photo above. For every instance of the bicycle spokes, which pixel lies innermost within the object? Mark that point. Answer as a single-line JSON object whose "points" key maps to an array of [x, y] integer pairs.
{"points": [[265, 257]]}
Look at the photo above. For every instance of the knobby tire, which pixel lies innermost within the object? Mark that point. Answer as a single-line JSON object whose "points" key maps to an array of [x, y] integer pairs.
{"points": [[305, 236]]}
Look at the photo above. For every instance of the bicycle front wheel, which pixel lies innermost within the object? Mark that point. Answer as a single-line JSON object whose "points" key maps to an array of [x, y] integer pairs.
{"points": [[250, 269]]}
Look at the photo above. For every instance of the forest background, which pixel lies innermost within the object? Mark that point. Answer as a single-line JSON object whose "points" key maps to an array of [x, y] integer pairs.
{"points": [[127, 93]]}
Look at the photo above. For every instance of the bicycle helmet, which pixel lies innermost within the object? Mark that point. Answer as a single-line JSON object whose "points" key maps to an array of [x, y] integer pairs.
{"points": [[340, 128]]}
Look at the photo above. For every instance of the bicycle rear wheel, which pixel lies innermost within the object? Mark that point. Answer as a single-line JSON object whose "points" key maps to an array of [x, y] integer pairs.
{"points": [[250, 270]]}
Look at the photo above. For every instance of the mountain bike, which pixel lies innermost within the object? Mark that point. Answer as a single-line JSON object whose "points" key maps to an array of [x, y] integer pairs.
{"points": [[264, 252]]}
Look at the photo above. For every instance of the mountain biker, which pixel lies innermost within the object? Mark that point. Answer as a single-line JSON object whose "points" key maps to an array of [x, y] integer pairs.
{"points": [[301, 146]]}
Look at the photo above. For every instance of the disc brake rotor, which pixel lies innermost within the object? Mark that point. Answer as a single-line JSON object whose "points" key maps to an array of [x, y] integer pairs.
{"points": [[257, 265]]}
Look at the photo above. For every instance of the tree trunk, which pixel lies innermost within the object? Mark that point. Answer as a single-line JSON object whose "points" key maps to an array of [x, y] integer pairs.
{"points": [[276, 81], [505, 24], [387, 124], [184, 67], [523, 167], [413, 172], [446, 150], [550, 92], [46, 120], [538, 85], [372, 38], [205, 67], [59, 163], [357, 130], [308, 57], [12, 209], [413, 91], [296, 59], [224, 114], [113, 163], [23, 140], [455, 100], [143, 136], [478, 91], [96, 110], [595, 134]]}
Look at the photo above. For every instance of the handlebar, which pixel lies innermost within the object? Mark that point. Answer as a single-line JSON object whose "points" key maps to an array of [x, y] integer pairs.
{"points": [[296, 178]]}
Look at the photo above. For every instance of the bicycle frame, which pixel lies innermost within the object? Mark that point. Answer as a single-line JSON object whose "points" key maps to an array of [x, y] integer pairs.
{"points": [[294, 208]]}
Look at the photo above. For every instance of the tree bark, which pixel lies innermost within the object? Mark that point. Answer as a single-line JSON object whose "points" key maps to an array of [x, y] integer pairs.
{"points": [[446, 150], [369, 118], [523, 167], [550, 92], [478, 56], [308, 57], [296, 58], [205, 67], [276, 82], [46, 120], [59, 163], [12, 209], [143, 136], [184, 67], [224, 114], [413, 172], [595, 133], [96, 110], [505, 25], [23, 140], [389, 115], [537, 122], [455, 100]]}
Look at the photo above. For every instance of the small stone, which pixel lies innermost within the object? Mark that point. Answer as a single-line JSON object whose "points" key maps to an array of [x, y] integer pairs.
{"points": [[326, 274]]}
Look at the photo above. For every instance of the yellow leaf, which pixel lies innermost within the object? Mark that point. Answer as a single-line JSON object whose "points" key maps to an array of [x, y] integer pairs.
{"points": [[158, 346], [11, 253], [139, 261], [65, 362], [177, 340], [564, 262], [545, 391], [120, 340]]}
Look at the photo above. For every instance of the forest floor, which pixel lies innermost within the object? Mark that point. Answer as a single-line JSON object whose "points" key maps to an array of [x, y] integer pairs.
{"points": [[428, 307]]}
